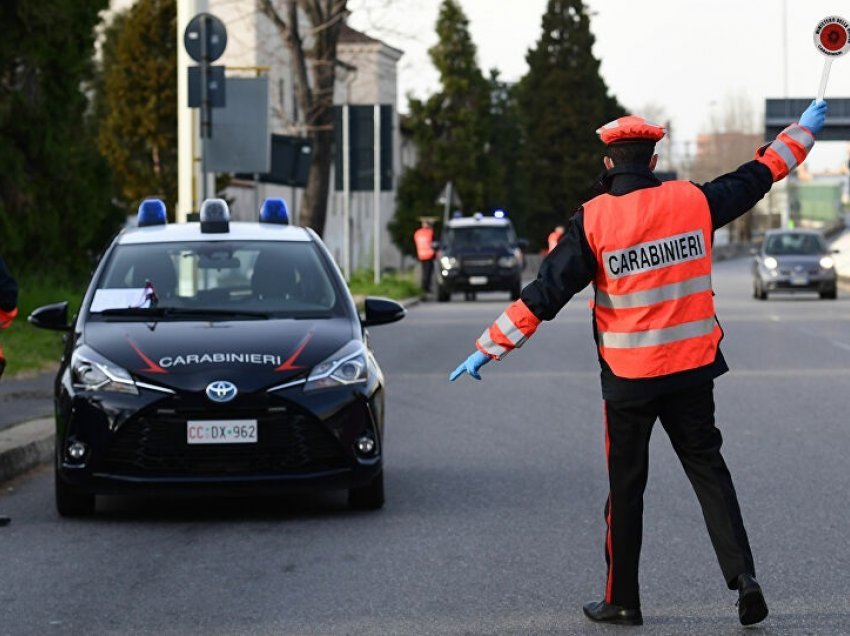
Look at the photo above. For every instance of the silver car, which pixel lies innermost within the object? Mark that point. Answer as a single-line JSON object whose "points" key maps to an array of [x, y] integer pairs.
{"points": [[794, 261]]}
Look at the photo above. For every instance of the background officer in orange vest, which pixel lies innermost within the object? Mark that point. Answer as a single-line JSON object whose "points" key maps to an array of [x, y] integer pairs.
{"points": [[8, 311], [555, 236], [646, 248], [424, 240], [8, 304]]}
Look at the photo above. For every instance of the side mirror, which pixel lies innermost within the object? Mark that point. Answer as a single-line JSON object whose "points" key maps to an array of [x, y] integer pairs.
{"points": [[382, 311], [522, 244], [435, 245], [53, 317]]}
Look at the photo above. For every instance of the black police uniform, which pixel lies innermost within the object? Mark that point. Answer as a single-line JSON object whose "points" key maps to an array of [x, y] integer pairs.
{"points": [[8, 298]]}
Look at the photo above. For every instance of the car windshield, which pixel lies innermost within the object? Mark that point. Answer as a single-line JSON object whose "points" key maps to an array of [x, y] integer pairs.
{"points": [[488, 236], [794, 243], [217, 279]]}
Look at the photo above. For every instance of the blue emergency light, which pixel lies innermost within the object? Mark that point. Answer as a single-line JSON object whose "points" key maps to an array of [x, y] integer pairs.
{"points": [[274, 210], [457, 214], [499, 214], [151, 212], [215, 216], [478, 216]]}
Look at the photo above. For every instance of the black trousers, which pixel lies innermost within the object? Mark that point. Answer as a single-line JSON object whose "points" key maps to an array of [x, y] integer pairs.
{"points": [[688, 418], [427, 272]]}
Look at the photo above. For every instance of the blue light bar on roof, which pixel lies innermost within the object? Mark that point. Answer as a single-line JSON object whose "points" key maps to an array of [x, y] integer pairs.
{"points": [[499, 214], [151, 212], [274, 210], [478, 216]]}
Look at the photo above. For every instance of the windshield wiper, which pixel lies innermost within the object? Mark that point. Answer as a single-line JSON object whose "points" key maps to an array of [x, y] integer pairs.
{"points": [[164, 312]]}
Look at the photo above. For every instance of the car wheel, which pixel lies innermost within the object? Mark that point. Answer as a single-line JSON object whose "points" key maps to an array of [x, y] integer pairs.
{"points": [[516, 290], [829, 294], [368, 497], [70, 503], [444, 295]]}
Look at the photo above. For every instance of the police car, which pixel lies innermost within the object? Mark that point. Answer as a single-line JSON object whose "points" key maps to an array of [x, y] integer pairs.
{"points": [[479, 253], [217, 356]]}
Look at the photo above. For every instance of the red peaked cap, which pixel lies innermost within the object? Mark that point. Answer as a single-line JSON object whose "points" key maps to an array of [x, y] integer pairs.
{"points": [[630, 128]]}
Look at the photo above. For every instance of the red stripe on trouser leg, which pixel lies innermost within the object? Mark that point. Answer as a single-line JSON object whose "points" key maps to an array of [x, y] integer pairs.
{"points": [[608, 540]]}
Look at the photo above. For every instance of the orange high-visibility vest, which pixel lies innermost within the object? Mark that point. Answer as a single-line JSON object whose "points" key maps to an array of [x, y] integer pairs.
{"points": [[424, 239], [653, 305]]}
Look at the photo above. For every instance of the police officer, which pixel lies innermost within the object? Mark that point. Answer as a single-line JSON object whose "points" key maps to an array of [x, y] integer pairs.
{"points": [[554, 236], [423, 239], [8, 311], [8, 304], [646, 248]]}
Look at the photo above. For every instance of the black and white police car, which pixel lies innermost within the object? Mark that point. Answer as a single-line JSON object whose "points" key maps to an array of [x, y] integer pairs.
{"points": [[217, 356]]}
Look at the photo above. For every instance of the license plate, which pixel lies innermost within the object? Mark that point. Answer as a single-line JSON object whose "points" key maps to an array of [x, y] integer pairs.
{"points": [[477, 280], [221, 432], [799, 279]]}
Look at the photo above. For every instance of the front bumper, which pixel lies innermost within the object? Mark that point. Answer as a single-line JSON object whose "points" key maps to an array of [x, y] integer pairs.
{"points": [[823, 281], [138, 444], [499, 280]]}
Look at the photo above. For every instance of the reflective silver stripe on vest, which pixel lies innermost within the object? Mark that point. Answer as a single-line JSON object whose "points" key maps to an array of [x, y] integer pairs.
{"points": [[782, 149], [801, 136], [655, 295], [491, 347], [655, 337], [510, 330]]}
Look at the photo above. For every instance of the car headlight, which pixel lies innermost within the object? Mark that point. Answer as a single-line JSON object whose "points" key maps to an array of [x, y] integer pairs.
{"points": [[92, 372], [770, 262], [448, 262], [507, 261], [826, 262], [346, 366]]}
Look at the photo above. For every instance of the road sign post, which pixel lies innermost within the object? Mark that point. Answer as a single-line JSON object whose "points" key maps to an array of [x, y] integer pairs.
{"points": [[205, 39]]}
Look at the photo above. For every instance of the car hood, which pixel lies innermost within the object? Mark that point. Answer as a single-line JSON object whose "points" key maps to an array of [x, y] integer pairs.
{"points": [[188, 355]]}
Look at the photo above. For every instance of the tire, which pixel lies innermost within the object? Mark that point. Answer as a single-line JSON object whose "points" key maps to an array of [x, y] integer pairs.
{"points": [[70, 503], [368, 497], [830, 294], [516, 290], [444, 295]]}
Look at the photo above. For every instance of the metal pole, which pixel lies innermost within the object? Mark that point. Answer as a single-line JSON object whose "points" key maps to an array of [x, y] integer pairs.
{"points": [[185, 121], [205, 108], [376, 230], [346, 203], [448, 204]]}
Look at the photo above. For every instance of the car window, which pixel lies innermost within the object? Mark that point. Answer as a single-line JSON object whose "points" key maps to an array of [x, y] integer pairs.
{"points": [[283, 279], [480, 236], [794, 243]]}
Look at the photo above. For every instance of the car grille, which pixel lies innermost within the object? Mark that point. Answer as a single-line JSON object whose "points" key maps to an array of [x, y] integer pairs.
{"points": [[473, 266], [286, 443], [787, 271]]}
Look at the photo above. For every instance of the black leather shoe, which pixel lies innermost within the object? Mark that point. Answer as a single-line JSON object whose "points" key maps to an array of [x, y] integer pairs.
{"points": [[602, 612], [751, 606]]}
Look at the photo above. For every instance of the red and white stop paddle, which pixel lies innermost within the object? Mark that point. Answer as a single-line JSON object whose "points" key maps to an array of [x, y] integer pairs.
{"points": [[832, 39]]}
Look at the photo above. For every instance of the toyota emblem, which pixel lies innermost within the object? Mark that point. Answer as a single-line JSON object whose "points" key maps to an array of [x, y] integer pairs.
{"points": [[221, 391]]}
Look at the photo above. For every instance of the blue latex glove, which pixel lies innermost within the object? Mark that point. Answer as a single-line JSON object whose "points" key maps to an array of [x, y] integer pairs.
{"points": [[470, 366], [814, 116]]}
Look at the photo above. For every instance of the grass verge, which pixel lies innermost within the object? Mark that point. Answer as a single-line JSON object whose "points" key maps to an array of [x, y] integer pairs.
{"points": [[28, 349], [397, 286]]}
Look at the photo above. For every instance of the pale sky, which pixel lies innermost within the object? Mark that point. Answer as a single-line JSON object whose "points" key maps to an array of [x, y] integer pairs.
{"points": [[688, 57]]}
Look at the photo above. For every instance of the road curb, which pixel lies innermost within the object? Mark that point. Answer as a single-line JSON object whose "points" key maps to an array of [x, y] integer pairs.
{"points": [[25, 446]]}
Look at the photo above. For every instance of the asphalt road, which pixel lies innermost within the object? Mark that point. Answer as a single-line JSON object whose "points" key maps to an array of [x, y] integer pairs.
{"points": [[493, 523]]}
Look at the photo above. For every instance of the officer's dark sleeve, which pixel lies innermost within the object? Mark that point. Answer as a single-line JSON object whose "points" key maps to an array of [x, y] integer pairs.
{"points": [[565, 271], [733, 194], [8, 289]]}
